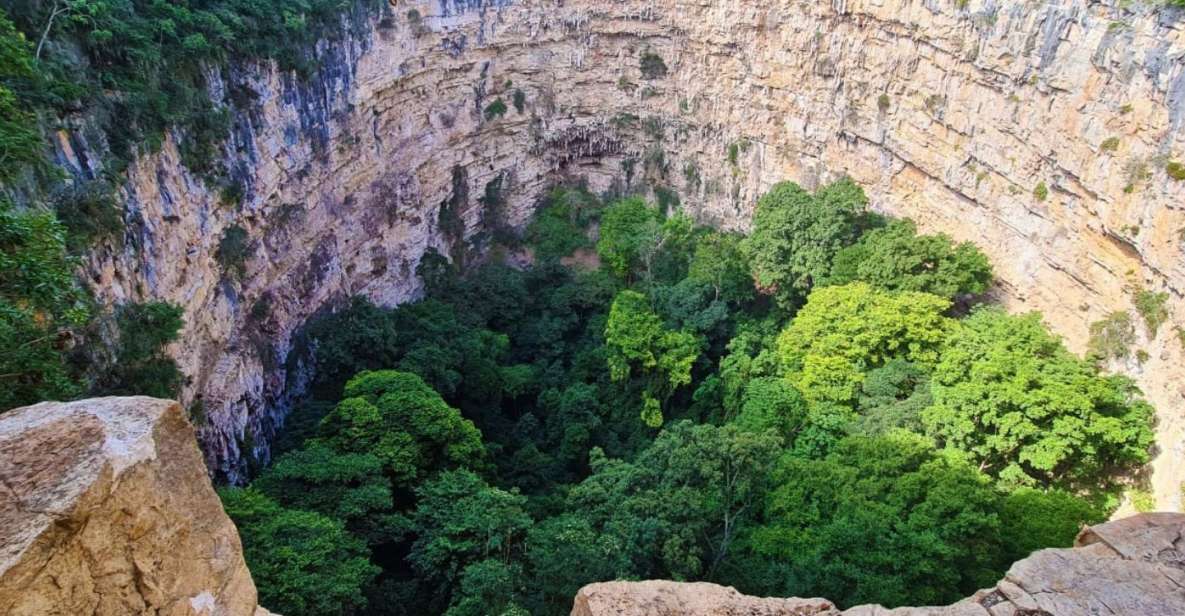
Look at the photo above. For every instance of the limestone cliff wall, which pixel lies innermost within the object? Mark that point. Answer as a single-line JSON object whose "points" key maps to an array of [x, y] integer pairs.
{"points": [[951, 113], [106, 509], [1126, 567]]}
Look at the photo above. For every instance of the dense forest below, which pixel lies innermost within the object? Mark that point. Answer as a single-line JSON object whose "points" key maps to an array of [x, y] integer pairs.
{"points": [[824, 407]]}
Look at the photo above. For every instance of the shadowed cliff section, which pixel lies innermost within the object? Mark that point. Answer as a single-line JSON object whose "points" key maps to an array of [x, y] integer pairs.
{"points": [[439, 125], [1130, 566]]}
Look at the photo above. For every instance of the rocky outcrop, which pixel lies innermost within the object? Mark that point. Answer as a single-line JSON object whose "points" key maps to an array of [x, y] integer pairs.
{"points": [[106, 509], [1127, 567], [953, 113], [666, 598]]}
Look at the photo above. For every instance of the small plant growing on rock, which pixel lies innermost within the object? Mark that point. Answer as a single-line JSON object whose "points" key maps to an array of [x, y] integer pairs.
{"points": [[653, 66], [1041, 192], [883, 102], [1175, 170], [520, 101], [1142, 500], [1112, 336], [1152, 307], [1109, 144], [233, 251], [1137, 172], [495, 109]]}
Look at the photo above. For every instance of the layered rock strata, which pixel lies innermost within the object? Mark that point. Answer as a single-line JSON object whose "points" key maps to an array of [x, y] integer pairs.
{"points": [[106, 509], [1127, 567], [1040, 131]]}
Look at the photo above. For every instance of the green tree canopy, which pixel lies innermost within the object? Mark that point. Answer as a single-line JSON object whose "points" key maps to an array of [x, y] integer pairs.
{"points": [[796, 235], [303, 563], [678, 508], [718, 261], [400, 420], [625, 227], [1036, 520], [40, 301], [350, 487], [460, 520], [895, 257], [880, 520], [637, 343], [1009, 395], [842, 332]]}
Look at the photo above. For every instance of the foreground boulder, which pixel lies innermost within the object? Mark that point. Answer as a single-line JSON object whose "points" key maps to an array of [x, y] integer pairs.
{"points": [[106, 509], [1134, 566]]}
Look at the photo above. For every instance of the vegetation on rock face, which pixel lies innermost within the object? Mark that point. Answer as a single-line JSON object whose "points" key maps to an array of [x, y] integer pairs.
{"points": [[803, 411]]}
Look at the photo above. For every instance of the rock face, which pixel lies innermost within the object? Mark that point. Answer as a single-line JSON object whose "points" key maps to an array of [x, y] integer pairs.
{"points": [[106, 509], [1040, 131], [665, 598], [1127, 567]]}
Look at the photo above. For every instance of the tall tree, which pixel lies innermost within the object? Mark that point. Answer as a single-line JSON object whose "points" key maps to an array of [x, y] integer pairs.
{"points": [[637, 342], [842, 332], [395, 417], [796, 236], [895, 257], [1009, 395]]}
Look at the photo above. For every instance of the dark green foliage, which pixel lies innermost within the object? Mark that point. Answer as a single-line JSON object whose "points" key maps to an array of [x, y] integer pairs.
{"points": [[20, 141], [303, 563], [233, 251], [89, 212], [405, 425], [344, 486], [678, 509], [893, 397], [796, 236], [882, 520], [895, 257], [719, 261], [468, 533], [520, 101], [558, 229], [652, 65], [495, 109], [771, 403], [141, 66], [1037, 520], [626, 227], [141, 366], [40, 303]]}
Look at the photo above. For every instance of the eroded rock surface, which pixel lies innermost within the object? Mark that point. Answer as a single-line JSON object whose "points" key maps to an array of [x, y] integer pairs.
{"points": [[1129, 567], [106, 510]]}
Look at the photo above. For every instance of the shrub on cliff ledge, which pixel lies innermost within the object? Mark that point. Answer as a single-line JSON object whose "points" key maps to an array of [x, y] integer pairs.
{"points": [[652, 65]]}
